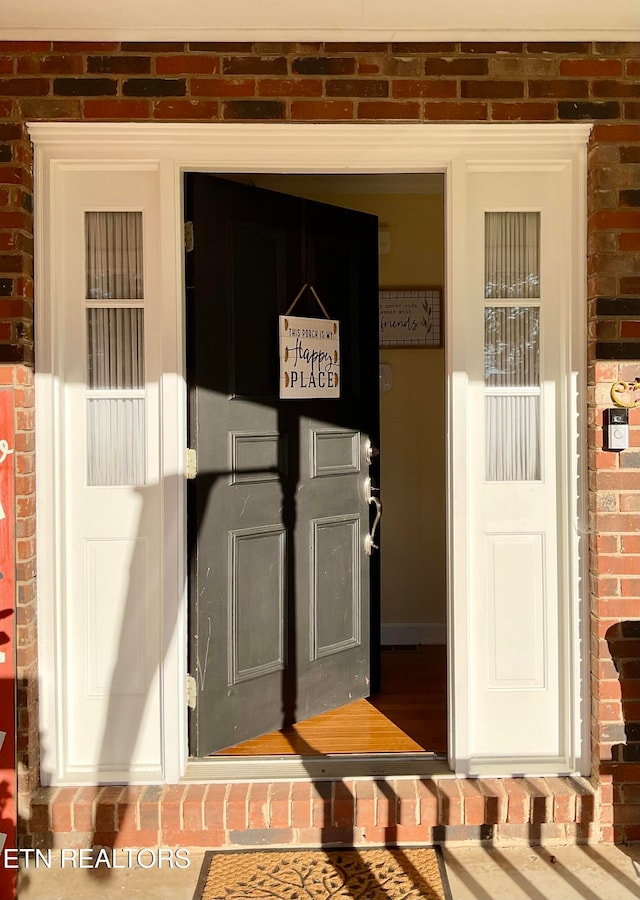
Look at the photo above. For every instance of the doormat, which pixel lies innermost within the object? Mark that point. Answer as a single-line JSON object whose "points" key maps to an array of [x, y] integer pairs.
{"points": [[414, 873]]}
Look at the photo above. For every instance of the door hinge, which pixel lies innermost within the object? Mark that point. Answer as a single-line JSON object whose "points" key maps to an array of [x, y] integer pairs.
{"points": [[190, 464], [191, 692], [188, 236]]}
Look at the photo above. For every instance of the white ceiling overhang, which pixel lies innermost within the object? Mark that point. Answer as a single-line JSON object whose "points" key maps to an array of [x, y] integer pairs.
{"points": [[324, 20]]}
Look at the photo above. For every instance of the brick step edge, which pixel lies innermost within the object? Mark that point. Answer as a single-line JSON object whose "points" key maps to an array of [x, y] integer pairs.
{"points": [[305, 813]]}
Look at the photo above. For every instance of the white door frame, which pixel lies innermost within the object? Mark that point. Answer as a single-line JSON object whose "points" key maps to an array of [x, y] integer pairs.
{"points": [[172, 149]]}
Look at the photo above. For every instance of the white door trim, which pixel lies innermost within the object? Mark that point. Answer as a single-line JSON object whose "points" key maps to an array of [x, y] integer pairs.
{"points": [[290, 20], [173, 149]]}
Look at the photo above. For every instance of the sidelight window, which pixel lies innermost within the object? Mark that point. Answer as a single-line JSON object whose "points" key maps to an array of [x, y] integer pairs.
{"points": [[512, 346], [115, 348]]}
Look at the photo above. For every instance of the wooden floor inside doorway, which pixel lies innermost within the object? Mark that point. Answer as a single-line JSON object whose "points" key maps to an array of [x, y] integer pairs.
{"points": [[408, 716]]}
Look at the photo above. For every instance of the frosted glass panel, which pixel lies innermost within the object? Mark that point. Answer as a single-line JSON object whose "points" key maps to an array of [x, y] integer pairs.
{"points": [[116, 441], [114, 255], [116, 348], [512, 254], [511, 346], [512, 442]]}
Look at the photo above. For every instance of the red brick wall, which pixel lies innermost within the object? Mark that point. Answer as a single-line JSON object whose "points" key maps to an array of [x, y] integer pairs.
{"points": [[501, 82]]}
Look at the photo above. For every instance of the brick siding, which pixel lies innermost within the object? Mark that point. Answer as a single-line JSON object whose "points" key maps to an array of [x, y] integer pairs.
{"points": [[365, 82]]}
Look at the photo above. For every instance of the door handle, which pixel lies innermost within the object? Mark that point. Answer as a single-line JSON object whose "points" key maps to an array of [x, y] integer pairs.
{"points": [[369, 541]]}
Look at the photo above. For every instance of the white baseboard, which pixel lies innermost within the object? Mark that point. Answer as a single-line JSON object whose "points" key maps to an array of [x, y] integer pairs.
{"points": [[413, 633]]}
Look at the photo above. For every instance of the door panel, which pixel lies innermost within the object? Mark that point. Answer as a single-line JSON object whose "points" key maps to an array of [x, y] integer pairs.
{"points": [[335, 593], [279, 580], [257, 613]]}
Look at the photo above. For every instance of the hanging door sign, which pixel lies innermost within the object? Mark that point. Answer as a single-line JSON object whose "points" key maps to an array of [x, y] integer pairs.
{"points": [[309, 358]]}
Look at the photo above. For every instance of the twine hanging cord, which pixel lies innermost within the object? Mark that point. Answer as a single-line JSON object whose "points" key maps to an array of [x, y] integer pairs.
{"points": [[313, 291]]}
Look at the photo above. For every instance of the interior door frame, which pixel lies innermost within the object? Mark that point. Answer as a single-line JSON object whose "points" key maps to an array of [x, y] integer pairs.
{"points": [[174, 149]]}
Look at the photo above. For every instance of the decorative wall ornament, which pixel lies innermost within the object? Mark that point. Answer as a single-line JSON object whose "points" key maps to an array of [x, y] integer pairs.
{"points": [[626, 393]]}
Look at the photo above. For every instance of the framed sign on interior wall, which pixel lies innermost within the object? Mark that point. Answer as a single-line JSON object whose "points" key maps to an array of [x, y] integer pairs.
{"points": [[410, 317]]}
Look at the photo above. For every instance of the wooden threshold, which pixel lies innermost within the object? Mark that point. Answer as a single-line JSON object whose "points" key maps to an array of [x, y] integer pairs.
{"points": [[408, 716]]}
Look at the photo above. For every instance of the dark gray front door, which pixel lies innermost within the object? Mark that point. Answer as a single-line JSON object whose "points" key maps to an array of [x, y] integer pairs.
{"points": [[280, 585]]}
